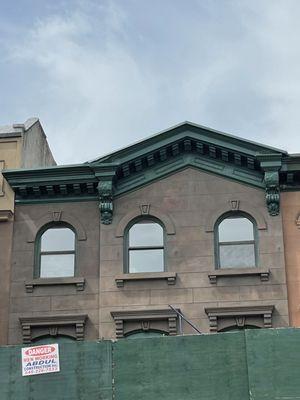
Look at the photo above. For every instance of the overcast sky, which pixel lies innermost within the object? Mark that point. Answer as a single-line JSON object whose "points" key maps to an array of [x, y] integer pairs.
{"points": [[101, 74]]}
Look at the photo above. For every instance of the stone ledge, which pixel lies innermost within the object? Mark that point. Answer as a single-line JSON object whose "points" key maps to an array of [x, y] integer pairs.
{"points": [[232, 272], [79, 282], [170, 277]]}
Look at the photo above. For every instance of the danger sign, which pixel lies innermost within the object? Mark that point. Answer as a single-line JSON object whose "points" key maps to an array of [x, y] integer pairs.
{"points": [[42, 359]]}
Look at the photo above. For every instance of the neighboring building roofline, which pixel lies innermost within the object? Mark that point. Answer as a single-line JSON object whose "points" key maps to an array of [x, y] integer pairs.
{"points": [[16, 130]]}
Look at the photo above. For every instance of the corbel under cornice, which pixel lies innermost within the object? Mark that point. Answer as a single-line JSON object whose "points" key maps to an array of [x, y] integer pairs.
{"points": [[106, 174], [271, 164]]}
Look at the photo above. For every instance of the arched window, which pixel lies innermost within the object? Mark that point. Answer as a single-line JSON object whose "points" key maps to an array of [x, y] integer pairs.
{"points": [[235, 242], [145, 247], [56, 252]]}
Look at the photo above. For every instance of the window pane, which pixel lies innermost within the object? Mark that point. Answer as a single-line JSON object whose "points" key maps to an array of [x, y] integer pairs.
{"points": [[237, 256], [59, 265], [146, 260], [233, 229], [146, 234], [58, 239]]}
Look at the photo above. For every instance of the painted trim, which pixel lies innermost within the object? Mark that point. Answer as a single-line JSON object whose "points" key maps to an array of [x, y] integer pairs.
{"points": [[127, 248], [235, 214], [37, 247]]}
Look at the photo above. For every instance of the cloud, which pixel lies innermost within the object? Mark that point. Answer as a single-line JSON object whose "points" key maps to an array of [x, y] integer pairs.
{"points": [[101, 75]]}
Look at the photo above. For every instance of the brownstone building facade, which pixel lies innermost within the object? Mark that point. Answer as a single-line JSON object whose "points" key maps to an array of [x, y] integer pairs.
{"points": [[189, 218]]}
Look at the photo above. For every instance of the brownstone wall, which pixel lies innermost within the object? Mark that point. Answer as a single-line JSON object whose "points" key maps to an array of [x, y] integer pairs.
{"points": [[192, 201], [290, 206], [58, 299], [6, 235]]}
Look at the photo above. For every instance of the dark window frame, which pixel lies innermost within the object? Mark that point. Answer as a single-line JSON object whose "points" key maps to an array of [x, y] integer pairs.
{"points": [[231, 215], [39, 252], [127, 247]]}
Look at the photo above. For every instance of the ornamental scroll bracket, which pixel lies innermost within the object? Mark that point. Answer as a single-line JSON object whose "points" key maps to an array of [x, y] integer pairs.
{"points": [[105, 192], [271, 164]]}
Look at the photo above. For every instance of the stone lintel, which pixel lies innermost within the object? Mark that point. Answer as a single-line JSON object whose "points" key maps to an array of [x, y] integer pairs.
{"points": [[240, 313], [146, 319], [52, 325]]}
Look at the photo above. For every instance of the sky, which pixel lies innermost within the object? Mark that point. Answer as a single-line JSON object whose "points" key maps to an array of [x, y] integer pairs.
{"points": [[102, 74]]}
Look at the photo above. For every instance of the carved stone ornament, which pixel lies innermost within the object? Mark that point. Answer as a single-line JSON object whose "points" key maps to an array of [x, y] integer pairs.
{"points": [[145, 209], [272, 192], [234, 205], [271, 164], [105, 191]]}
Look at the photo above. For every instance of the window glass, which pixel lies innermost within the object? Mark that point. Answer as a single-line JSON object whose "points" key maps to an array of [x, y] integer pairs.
{"points": [[235, 229], [58, 239], [56, 252], [236, 243], [146, 233], [237, 256], [145, 247], [146, 260], [56, 265]]}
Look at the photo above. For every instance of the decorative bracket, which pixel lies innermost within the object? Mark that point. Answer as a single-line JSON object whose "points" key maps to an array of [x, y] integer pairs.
{"points": [[146, 320], [71, 325], [105, 191], [271, 164], [241, 315]]}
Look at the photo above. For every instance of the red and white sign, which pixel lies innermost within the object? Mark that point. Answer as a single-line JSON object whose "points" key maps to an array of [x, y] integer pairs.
{"points": [[42, 359]]}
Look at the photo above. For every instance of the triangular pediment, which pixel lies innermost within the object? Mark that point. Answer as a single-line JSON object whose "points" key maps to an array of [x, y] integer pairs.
{"points": [[187, 130], [185, 145]]}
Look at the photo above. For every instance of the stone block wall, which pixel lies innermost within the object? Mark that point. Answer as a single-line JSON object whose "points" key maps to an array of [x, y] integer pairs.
{"points": [[189, 202]]}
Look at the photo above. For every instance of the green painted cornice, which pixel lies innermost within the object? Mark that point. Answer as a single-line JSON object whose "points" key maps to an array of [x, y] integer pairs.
{"points": [[290, 173], [188, 130], [182, 146], [227, 170]]}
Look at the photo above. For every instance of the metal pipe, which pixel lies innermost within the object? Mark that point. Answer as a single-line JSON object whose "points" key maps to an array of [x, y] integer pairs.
{"points": [[185, 319]]}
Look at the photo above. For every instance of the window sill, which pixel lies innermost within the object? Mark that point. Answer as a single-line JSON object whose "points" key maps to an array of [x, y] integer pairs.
{"points": [[232, 272], [170, 277], [78, 282]]}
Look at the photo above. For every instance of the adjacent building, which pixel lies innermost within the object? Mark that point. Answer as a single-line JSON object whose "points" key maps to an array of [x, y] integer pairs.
{"points": [[189, 218], [21, 146]]}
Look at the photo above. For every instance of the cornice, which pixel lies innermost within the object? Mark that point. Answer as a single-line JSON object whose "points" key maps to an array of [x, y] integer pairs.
{"points": [[185, 145], [192, 130]]}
